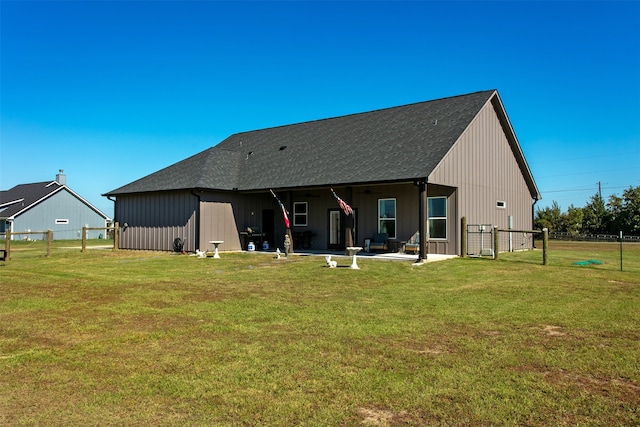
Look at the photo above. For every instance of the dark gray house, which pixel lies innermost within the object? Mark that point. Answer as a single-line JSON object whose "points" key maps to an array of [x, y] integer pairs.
{"points": [[49, 205], [410, 170]]}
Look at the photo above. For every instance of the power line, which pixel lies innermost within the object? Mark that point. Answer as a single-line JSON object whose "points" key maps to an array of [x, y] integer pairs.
{"points": [[599, 157], [580, 189], [585, 173]]}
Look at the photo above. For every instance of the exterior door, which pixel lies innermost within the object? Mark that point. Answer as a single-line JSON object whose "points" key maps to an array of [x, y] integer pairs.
{"points": [[335, 230]]}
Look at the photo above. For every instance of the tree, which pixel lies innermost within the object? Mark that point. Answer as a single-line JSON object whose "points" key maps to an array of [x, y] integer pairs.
{"points": [[616, 214], [548, 217], [595, 216], [619, 214], [625, 212], [571, 222]]}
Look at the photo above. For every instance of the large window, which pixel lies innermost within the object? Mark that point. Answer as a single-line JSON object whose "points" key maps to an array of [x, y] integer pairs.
{"points": [[300, 214], [437, 216], [387, 217]]}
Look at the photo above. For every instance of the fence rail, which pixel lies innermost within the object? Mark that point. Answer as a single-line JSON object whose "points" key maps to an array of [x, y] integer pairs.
{"points": [[8, 237], [556, 235], [486, 240]]}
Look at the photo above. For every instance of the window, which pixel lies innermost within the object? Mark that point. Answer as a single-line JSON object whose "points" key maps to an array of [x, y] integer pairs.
{"points": [[62, 221], [501, 204], [387, 217], [300, 214], [437, 217]]}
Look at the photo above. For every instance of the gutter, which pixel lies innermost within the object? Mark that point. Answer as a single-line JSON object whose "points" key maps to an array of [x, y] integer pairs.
{"points": [[533, 218]]}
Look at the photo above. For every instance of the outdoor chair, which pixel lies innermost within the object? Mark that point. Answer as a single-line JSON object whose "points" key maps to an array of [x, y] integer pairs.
{"points": [[379, 242], [413, 245]]}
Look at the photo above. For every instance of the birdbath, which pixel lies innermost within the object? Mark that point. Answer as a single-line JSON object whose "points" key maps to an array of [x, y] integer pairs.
{"points": [[216, 243], [352, 251]]}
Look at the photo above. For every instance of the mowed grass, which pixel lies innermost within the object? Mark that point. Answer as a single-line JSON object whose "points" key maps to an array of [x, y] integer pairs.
{"points": [[150, 338]]}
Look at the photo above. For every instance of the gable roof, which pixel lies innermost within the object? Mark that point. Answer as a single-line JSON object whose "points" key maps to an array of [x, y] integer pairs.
{"points": [[23, 197], [393, 144]]}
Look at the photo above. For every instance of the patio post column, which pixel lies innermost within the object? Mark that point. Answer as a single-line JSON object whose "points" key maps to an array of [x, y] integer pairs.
{"points": [[422, 220]]}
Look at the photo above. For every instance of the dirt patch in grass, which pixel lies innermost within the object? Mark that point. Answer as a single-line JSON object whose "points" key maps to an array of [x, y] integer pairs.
{"points": [[432, 345], [553, 331], [382, 417], [617, 282], [623, 389]]}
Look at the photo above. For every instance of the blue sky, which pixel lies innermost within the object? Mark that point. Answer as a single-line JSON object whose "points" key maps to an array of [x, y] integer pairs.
{"points": [[113, 91]]}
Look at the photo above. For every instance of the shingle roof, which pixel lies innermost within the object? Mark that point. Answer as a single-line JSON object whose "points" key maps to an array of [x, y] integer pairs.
{"points": [[22, 196], [392, 144], [214, 168]]}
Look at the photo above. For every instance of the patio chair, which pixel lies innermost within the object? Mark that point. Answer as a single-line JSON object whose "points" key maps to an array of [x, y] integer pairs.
{"points": [[413, 245], [379, 242]]}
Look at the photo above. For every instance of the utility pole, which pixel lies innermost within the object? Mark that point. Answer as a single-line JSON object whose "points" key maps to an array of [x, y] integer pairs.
{"points": [[600, 190]]}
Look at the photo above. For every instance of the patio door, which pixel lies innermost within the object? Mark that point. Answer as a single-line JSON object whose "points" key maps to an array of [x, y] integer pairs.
{"points": [[335, 230], [337, 224]]}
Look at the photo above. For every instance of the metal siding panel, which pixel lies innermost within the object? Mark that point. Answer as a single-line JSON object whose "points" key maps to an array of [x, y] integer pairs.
{"points": [[484, 168], [217, 222], [155, 220]]}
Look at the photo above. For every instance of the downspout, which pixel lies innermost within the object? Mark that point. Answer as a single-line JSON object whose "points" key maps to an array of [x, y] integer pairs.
{"points": [[114, 208], [114, 221], [196, 240]]}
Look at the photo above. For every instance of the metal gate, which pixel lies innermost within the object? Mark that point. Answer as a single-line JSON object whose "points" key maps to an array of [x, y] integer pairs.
{"points": [[480, 240]]}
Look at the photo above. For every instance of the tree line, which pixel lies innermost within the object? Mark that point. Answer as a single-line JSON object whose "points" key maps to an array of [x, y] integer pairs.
{"points": [[597, 217]]}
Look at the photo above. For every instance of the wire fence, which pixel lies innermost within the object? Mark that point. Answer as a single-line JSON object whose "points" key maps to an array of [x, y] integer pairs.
{"points": [[486, 240], [482, 240]]}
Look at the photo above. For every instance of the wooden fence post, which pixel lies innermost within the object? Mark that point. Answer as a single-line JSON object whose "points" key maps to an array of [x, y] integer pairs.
{"points": [[545, 246], [84, 239], [463, 240], [7, 246], [49, 239], [496, 240], [116, 236]]}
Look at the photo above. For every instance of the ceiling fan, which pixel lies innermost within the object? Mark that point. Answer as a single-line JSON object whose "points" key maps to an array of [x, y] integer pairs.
{"points": [[368, 190]]}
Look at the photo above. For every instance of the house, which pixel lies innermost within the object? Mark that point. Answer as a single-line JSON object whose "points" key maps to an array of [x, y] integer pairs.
{"points": [[416, 168], [49, 205]]}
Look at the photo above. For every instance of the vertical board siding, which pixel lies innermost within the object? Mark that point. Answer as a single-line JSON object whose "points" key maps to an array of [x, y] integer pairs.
{"points": [[154, 221], [484, 168], [61, 205], [218, 222]]}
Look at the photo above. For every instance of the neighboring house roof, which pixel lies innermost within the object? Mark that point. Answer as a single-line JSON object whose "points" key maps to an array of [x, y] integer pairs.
{"points": [[387, 145], [23, 197]]}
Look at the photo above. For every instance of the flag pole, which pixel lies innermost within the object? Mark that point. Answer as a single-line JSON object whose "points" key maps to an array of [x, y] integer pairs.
{"points": [[349, 212], [287, 224]]}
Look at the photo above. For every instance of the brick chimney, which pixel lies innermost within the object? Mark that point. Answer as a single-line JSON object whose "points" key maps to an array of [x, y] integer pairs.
{"points": [[61, 178]]}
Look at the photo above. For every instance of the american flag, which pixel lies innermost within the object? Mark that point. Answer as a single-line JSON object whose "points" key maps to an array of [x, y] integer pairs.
{"points": [[343, 205], [285, 214]]}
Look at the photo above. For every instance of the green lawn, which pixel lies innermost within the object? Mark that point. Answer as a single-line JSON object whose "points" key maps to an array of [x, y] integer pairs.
{"points": [[150, 338]]}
